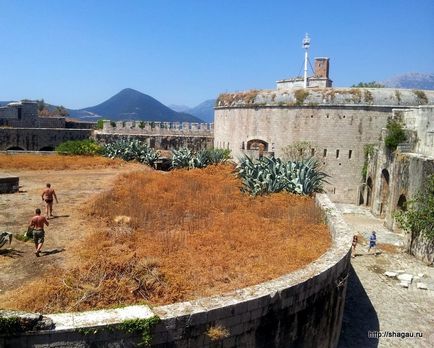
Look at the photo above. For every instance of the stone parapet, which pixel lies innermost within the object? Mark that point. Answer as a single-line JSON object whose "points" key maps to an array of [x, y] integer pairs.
{"points": [[157, 128], [302, 308]]}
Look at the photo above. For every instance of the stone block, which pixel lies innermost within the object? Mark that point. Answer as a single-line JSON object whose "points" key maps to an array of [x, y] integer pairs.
{"points": [[404, 284], [422, 286], [390, 274], [405, 277]]}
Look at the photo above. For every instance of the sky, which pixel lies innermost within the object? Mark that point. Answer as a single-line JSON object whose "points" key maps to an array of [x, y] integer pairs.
{"points": [[78, 53]]}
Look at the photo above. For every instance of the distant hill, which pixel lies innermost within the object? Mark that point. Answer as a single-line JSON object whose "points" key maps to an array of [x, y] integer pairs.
{"points": [[130, 104], [204, 111], [411, 81]]}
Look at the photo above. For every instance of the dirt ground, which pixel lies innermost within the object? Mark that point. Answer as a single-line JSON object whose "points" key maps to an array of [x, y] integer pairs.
{"points": [[18, 262]]}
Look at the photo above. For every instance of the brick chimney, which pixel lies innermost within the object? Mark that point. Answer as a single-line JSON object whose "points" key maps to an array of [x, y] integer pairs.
{"points": [[322, 67]]}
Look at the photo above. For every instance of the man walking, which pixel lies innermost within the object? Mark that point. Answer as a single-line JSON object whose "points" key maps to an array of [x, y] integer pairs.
{"points": [[37, 224], [373, 243], [48, 195]]}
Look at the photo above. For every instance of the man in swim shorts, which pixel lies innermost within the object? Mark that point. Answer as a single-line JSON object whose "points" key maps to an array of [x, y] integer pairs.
{"points": [[37, 224], [48, 195]]}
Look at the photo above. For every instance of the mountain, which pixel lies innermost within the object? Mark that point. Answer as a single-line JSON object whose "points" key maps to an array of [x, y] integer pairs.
{"points": [[130, 104], [179, 108], [411, 81], [204, 111]]}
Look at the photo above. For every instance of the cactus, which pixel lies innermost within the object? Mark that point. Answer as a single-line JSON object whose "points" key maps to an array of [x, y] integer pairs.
{"points": [[185, 158]]}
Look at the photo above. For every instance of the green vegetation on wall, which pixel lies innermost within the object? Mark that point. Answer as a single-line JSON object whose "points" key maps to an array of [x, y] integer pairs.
{"points": [[395, 135], [368, 151], [422, 99], [131, 150], [418, 218], [142, 326], [10, 325], [300, 96], [372, 84]]}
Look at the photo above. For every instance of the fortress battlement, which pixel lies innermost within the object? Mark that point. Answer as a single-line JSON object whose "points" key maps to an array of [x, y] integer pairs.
{"points": [[157, 128]]}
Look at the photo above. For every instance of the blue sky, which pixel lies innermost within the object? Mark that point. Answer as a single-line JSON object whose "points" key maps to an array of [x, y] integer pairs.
{"points": [[78, 53]]}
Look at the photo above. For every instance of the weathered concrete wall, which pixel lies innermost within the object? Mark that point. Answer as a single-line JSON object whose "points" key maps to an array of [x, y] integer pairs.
{"points": [[35, 139], [160, 141], [9, 184], [301, 309]]}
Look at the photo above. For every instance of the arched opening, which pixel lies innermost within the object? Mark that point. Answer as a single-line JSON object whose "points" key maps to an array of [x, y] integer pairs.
{"points": [[14, 148], [402, 203], [368, 191], [384, 196], [47, 148], [257, 144]]}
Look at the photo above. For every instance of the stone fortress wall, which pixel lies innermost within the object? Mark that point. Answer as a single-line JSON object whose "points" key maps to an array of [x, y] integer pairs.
{"points": [[302, 308], [337, 122], [394, 178], [159, 135]]}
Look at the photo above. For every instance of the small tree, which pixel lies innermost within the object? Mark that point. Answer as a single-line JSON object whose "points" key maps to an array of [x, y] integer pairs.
{"points": [[395, 135], [419, 216]]}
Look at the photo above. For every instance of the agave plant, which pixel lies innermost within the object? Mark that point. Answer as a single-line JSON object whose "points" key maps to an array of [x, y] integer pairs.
{"points": [[130, 150], [185, 158], [268, 175]]}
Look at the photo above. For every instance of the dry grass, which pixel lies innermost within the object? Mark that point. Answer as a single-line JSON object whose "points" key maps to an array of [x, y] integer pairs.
{"points": [[188, 234], [389, 248], [55, 162], [217, 332]]}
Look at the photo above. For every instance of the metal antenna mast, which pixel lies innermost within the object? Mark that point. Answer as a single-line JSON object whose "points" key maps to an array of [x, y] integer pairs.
{"points": [[306, 45]]}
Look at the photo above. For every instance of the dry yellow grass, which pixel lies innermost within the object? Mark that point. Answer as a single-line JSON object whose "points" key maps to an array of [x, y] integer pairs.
{"points": [[188, 234], [55, 162]]}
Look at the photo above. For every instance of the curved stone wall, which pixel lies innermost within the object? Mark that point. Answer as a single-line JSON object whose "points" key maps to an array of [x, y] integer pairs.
{"points": [[303, 308]]}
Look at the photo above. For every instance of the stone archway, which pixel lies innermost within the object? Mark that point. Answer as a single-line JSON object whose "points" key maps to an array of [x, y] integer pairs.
{"points": [[402, 203], [257, 147], [47, 148], [368, 191], [384, 193], [15, 148]]}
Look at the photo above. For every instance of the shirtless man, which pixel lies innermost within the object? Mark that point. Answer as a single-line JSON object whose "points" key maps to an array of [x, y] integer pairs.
{"points": [[47, 195], [37, 224]]}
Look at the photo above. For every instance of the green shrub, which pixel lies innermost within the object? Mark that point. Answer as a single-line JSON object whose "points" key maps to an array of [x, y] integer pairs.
{"points": [[99, 124], [269, 175], [419, 216], [113, 124], [85, 147], [395, 135], [300, 96]]}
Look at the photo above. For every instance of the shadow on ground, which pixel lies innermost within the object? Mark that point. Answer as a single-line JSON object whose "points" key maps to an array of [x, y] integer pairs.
{"points": [[359, 317], [12, 253]]}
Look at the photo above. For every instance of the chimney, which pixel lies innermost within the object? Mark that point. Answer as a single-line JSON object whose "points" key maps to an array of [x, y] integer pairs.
{"points": [[322, 67]]}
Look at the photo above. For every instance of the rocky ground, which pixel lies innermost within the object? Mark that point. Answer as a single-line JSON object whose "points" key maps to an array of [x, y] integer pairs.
{"points": [[378, 303]]}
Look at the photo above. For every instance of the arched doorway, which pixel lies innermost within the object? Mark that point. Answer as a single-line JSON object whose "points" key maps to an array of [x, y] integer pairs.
{"points": [[384, 195], [402, 203], [368, 191], [256, 144], [47, 148], [14, 148]]}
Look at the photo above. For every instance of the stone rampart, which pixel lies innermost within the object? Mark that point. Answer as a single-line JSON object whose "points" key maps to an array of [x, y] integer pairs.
{"points": [[302, 308], [36, 139]]}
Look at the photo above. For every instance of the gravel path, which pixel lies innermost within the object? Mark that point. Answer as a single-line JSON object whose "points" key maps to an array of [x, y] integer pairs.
{"points": [[378, 303]]}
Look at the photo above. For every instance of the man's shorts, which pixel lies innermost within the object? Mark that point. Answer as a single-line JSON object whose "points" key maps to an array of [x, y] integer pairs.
{"points": [[48, 201], [372, 244], [38, 236]]}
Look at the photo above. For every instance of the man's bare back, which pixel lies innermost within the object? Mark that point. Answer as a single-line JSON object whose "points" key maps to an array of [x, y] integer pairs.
{"points": [[48, 194], [38, 222]]}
